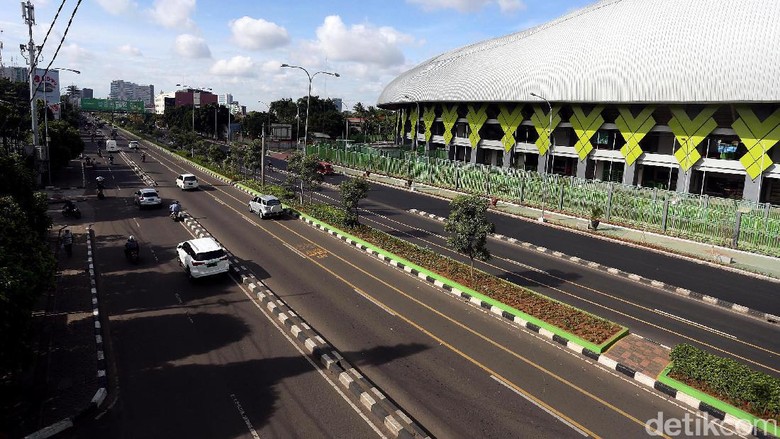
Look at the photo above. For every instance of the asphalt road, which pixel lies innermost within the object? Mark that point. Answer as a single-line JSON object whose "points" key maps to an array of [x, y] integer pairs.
{"points": [[655, 314], [456, 369], [196, 359]]}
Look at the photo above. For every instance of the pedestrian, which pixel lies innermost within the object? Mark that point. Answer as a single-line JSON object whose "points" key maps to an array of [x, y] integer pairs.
{"points": [[67, 242]]}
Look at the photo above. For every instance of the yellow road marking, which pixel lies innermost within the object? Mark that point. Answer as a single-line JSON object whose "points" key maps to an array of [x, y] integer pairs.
{"points": [[462, 326]]}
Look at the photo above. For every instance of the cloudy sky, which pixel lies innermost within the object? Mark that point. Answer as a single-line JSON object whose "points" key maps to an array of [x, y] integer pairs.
{"points": [[237, 46]]}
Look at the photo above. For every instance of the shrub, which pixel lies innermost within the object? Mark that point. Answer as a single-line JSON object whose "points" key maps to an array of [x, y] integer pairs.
{"points": [[753, 391]]}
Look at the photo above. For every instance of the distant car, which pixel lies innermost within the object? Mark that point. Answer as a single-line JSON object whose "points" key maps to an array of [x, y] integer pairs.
{"points": [[187, 181], [202, 257], [111, 146], [266, 206], [147, 197], [325, 168], [133, 144]]}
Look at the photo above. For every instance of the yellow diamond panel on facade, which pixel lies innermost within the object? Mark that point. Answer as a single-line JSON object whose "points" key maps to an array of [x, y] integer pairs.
{"points": [[449, 116], [476, 117], [413, 117], [690, 133], [585, 127], [509, 121], [634, 129], [429, 115], [758, 137], [541, 121]]}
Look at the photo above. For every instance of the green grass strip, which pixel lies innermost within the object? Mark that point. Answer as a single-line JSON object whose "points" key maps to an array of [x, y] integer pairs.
{"points": [[757, 422], [542, 324]]}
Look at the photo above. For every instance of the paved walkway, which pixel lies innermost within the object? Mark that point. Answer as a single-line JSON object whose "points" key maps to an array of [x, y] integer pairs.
{"points": [[640, 354], [62, 380]]}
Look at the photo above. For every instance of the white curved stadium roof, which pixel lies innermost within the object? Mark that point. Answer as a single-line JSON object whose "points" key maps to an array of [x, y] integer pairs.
{"points": [[615, 51]]}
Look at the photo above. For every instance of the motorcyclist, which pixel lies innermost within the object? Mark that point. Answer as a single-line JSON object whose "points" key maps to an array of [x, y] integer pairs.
{"points": [[143, 156], [100, 184], [69, 206], [131, 245], [175, 209], [111, 159]]}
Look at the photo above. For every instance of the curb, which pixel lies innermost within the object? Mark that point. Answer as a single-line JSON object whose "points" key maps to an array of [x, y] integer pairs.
{"points": [[599, 358], [370, 398], [769, 318], [101, 393]]}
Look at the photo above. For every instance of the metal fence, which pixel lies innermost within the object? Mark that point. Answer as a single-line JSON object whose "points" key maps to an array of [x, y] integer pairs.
{"points": [[719, 221]]}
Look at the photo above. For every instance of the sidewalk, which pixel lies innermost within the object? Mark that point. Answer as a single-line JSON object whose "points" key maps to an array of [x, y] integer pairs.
{"points": [[63, 379]]}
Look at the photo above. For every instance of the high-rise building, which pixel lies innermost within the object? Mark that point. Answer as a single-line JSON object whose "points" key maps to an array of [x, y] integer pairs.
{"points": [[337, 103], [129, 91], [87, 93], [225, 99], [15, 74], [198, 98], [163, 101]]}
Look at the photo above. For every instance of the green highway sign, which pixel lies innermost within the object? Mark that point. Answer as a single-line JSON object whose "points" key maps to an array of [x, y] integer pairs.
{"points": [[112, 105]]}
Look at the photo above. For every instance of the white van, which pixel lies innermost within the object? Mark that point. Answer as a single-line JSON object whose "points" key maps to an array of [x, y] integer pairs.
{"points": [[111, 146]]}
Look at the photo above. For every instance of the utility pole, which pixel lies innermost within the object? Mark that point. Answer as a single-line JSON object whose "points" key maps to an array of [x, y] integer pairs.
{"points": [[28, 13]]}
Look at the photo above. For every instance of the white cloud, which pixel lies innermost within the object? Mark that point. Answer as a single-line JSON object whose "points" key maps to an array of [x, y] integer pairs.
{"points": [[361, 43], [190, 46], [236, 66], [75, 53], [130, 50], [465, 6], [117, 7], [258, 34], [173, 13], [511, 5]]}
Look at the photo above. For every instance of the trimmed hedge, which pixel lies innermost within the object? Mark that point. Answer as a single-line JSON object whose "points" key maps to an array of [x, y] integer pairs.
{"points": [[757, 392]]}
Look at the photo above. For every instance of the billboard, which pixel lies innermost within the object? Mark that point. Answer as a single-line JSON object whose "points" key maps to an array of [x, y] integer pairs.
{"points": [[112, 105], [48, 89]]}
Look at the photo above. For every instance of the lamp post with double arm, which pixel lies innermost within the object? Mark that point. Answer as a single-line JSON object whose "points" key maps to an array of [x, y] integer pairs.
{"points": [[308, 96], [46, 118], [549, 151]]}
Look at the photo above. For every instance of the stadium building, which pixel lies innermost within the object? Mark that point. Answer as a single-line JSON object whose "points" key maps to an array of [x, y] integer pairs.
{"points": [[681, 95]]}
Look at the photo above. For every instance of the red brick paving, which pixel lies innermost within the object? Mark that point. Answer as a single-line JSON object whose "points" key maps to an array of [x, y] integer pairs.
{"points": [[640, 354]]}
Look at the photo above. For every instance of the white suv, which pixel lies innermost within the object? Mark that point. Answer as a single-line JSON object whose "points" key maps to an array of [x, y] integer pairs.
{"points": [[147, 197], [187, 181], [202, 257], [265, 206]]}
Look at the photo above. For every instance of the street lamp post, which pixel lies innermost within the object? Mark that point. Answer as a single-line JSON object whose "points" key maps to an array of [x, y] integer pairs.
{"points": [[194, 90], [416, 129], [549, 138], [308, 97], [46, 120]]}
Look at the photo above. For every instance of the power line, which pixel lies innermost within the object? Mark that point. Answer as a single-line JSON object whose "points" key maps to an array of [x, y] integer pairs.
{"points": [[59, 46]]}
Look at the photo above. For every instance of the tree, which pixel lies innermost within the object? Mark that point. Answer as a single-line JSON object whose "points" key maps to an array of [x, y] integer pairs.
{"points": [[468, 227], [352, 191], [65, 143], [26, 263], [303, 168]]}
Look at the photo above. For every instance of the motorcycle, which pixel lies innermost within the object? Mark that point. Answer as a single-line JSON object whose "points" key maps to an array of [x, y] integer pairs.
{"points": [[143, 157], [177, 216], [132, 255], [100, 194], [72, 211]]}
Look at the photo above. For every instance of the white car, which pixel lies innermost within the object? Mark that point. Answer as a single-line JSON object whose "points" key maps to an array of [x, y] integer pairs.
{"points": [[133, 144], [187, 181], [202, 257], [147, 197], [265, 206]]}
